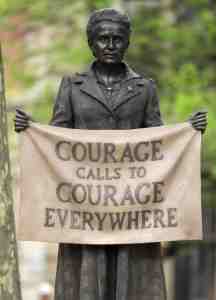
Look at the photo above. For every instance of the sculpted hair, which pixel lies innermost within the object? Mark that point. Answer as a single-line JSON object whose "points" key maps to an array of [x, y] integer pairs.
{"points": [[107, 14]]}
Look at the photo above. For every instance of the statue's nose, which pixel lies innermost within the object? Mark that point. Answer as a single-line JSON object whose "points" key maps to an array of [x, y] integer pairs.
{"points": [[111, 44]]}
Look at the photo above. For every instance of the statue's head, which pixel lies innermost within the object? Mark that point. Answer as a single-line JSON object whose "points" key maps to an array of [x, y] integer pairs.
{"points": [[108, 33]]}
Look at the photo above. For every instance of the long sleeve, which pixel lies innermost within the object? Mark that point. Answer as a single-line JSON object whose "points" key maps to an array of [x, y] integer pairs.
{"points": [[152, 115], [62, 111]]}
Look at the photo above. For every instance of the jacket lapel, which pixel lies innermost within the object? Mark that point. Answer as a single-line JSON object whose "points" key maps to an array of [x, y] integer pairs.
{"points": [[129, 88], [90, 87]]}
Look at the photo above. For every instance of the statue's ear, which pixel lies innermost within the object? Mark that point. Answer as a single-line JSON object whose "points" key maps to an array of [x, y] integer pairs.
{"points": [[90, 43], [91, 47], [128, 43]]}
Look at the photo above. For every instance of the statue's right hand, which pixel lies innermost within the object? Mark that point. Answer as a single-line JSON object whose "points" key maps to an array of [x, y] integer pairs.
{"points": [[21, 120]]}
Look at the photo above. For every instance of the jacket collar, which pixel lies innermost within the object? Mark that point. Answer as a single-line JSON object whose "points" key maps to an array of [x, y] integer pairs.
{"points": [[89, 72], [88, 84]]}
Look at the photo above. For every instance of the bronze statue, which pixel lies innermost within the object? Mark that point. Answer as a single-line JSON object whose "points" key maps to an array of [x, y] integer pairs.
{"points": [[109, 95]]}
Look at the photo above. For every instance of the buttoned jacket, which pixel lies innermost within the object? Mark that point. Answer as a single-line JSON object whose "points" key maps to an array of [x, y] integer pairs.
{"points": [[108, 272], [80, 103]]}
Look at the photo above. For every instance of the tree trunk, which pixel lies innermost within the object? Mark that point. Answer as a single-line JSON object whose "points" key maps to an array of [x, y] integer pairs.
{"points": [[9, 275]]}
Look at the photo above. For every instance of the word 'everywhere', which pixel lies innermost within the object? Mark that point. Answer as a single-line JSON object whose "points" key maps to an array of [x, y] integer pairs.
{"points": [[110, 221]]}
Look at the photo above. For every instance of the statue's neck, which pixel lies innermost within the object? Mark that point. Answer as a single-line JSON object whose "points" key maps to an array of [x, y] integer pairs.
{"points": [[109, 73]]}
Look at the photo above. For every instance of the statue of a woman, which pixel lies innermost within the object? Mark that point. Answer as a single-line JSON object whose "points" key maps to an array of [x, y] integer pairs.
{"points": [[109, 95]]}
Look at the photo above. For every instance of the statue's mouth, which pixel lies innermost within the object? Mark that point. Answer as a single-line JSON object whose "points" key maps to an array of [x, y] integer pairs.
{"points": [[111, 55]]}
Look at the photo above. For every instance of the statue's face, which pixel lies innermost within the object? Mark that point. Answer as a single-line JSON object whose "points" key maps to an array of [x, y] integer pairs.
{"points": [[110, 42]]}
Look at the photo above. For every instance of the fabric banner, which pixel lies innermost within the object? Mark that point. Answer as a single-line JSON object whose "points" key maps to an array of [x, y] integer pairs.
{"points": [[110, 186]]}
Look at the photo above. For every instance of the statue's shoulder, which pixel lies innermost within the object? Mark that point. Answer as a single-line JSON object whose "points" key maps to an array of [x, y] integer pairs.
{"points": [[70, 78], [77, 78], [145, 81], [139, 79], [149, 82], [152, 81]]}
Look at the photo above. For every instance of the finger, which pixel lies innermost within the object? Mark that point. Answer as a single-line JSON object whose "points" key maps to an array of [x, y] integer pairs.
{"points": [[200, 127], [19, 118], [20, 126], [198, 121], [23, 115], [199, 124], [199, 118], [18, 123], [202, 111], [20, 110], [201, 115], [19, 129]]}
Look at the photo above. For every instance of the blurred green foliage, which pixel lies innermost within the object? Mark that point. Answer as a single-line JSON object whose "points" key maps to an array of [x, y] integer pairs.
{"points": [[174, 42]]}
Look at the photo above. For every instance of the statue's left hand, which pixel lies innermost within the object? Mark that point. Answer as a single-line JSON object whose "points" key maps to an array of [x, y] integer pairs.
{"points": [[199, 120]]}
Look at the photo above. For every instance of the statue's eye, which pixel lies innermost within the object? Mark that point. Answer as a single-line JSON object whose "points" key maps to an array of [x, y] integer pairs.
{"points": [[103, 39], [118, 39]]}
